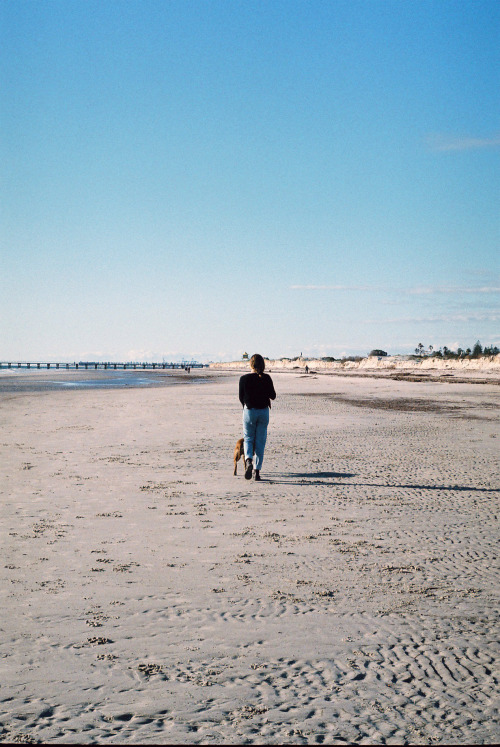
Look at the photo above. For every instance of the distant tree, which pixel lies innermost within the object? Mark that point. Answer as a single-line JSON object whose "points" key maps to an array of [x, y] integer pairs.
{"points": [[446, 352], [490, 350], [431, 348], [328, 359], [460, 352], [477, 350], [468, 351], [378, 353], [419, 349]]}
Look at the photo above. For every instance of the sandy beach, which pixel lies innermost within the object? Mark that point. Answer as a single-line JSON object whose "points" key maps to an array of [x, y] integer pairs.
{"points": [[149, 596]]}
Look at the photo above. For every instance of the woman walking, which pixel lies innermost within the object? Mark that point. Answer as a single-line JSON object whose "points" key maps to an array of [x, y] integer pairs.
{"points": [[256, 391]]}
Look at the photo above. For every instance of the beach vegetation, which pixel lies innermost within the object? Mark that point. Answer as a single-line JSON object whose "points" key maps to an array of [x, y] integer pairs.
{"points": [[378, 353], [477, 350], [328, 359], [492, 350]]}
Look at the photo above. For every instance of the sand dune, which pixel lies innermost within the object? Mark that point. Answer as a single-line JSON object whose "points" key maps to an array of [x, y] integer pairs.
{"points": [[484, 370], [149, 596]]}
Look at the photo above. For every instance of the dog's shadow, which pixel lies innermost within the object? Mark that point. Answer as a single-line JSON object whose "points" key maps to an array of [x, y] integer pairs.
{"points": [[318, 475], [313, 478]]}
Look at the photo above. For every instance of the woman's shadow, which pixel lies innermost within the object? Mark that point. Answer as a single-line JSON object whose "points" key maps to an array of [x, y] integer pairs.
{"points": [[331, 478]]}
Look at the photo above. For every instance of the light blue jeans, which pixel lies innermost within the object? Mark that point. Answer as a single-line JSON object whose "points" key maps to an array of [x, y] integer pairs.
{"points": [[255, 424]]}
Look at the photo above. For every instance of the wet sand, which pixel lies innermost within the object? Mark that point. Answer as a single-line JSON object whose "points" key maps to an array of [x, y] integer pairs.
{"points": [[149, 596]]}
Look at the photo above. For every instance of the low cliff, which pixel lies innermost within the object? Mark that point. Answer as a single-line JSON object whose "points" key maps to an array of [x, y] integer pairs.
{"points": [[393, 362]]}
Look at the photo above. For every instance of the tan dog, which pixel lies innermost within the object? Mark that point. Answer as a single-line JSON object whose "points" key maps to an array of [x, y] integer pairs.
{"points": [[239, 453]]}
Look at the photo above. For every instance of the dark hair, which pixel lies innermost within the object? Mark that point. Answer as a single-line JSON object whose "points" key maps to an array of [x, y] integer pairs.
{"points": [[257, 363]]}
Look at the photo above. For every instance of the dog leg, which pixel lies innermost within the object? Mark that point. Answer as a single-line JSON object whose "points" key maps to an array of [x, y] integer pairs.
{"points": [[239, 453]]}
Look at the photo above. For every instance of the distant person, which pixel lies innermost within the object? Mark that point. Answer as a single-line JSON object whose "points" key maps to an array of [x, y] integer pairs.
{"points": [[256, 393], [307, 369]]}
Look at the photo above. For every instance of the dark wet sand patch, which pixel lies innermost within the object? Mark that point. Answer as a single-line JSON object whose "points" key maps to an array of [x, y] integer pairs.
{"points": [[408, 404]]}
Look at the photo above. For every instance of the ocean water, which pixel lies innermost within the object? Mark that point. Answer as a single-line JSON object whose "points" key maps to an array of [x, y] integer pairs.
{"points": [[35, 381]]}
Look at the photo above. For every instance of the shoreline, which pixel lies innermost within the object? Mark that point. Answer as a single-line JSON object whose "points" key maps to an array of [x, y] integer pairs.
{"points": [[57, 380], [476, 371]]}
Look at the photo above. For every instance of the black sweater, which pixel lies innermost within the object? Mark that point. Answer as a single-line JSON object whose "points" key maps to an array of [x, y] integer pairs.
{"points": [[256, 391]]}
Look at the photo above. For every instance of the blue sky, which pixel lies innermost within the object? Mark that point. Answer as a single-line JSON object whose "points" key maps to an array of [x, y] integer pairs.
{"points": [[200, 179]]}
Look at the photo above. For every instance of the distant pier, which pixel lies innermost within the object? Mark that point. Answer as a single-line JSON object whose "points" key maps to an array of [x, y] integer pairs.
{"points": [[99, 365]]}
